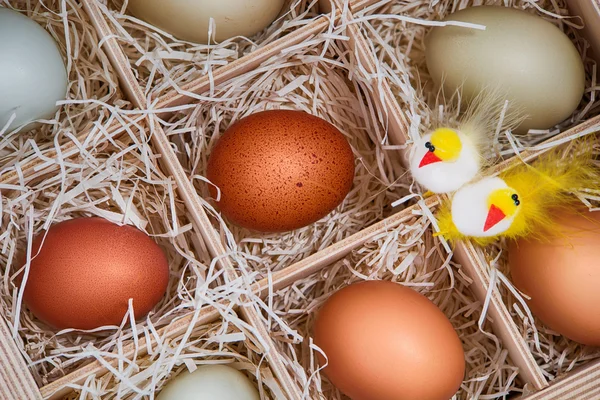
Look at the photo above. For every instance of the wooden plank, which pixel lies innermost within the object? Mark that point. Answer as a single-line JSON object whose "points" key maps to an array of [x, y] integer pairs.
{"points": [[247, 63], [592, 124], [239, 66], [59, 388], [33, 165], [316, 262], [502, 322], [580, 384], [589, 12], [383, 97], [15, 380], [188, 193]]}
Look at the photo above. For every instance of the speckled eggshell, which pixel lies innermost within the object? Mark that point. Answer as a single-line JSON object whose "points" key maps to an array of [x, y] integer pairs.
{"points": [[88, 268], [280, 170], [385, 341]]}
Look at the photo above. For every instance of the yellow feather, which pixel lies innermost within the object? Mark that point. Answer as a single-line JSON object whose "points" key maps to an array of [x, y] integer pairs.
{"points": [[544, 187], [480, 120], [549, 185]]}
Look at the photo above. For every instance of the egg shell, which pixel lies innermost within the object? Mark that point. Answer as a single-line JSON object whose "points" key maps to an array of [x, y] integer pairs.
{"points": [[280, 170], [88, 268], [32, 71], [190, 19], [562, 276], [528, 57], [210, 382], [386, 341]]}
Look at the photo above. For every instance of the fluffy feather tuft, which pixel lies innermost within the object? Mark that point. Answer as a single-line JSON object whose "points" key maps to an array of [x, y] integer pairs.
{"points": [[545, 186], [487, 113], [549, 184]]}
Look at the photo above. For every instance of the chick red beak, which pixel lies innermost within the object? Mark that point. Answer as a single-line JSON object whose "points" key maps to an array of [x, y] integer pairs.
{"points": [[429, 158], [495, 215]]}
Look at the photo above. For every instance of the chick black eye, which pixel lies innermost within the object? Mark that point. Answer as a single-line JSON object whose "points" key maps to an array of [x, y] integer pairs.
{"points": [[516, 200], [429, 146]]}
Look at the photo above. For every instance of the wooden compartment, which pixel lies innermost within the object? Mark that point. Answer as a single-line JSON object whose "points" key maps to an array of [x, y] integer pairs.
{"points": [[409, 254], [176, 130], [89, 115]]}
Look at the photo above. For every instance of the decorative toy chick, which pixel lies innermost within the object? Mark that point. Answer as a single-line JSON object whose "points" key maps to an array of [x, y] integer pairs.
{"points": [[452, 155], [521, 200]]}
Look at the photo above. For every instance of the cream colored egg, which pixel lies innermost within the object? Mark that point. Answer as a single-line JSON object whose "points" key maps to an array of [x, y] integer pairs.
{"points": [[210, 382], [531, 59], [190, 19], [32, 71]]}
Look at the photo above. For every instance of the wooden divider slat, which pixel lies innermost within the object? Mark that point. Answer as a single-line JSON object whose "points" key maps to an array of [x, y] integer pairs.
{"points": [[63, 386], [249, 62], [32, 165], [581, 384], [239, 66], [503, 324], [187, 192], [16, 381]]}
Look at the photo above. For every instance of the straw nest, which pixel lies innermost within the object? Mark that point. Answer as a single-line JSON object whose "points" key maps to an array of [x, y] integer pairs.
{"points": [[117, 176]]}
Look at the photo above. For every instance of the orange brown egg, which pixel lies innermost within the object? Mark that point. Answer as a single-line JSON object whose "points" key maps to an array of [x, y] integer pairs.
{"points": [[561, 276], [280, 170], [84, 271], [385, 341]]}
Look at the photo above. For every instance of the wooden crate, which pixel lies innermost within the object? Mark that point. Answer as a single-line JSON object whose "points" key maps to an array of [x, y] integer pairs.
{"points": [[206, 242]]}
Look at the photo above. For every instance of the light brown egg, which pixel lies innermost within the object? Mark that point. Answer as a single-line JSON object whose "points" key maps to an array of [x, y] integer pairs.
{"points": [[280, 170], [88, 268], [562, 277], [385, 341]]}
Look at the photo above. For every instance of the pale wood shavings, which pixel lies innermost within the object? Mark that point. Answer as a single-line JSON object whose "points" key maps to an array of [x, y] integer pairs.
{"points": [[311, 77], [162, 63], [90, 77], [228, 342], [399, 47], [490, 373], [122, 183]]}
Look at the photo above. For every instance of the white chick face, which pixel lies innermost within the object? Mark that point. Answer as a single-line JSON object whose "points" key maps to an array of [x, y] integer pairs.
{"points": [[485, 208], [444, 160]]}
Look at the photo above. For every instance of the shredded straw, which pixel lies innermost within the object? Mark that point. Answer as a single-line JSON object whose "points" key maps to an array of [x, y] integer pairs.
{"points": [[112, 171]]}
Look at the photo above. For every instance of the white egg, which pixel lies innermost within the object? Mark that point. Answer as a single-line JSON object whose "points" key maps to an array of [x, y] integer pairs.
{"points": [[190, 19], [210, 382], [32, 71]]}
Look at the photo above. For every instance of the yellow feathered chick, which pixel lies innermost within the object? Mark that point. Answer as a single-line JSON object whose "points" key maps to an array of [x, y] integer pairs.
{"points": [[520, 201], [453, 153]]}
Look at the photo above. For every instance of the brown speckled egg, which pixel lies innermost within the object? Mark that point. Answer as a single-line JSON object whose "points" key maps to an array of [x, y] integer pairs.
{"points": [[88, 268], [280, 170]]}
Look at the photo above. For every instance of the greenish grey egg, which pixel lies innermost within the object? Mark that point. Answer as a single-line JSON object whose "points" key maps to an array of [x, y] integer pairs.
{"points": [[210, 382], [32, 71], [530, 59]]}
